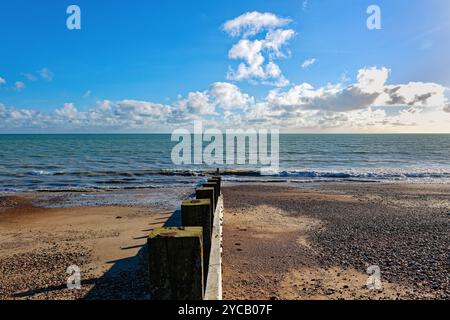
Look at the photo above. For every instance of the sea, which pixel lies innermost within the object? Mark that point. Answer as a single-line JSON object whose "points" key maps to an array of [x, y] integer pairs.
{"points": [[83, 162]]}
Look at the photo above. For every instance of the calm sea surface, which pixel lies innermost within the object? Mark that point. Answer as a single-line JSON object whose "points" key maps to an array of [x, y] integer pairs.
{"points": [[83, 162]]}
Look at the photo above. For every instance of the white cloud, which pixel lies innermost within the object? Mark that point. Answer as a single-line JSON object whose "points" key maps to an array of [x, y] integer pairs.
{"points": [[46, 74], [344, 78], [372, 79], [29, 76], [332, 97], [19, 85], [20, 118], [276, 39], [197, 103], [305, 5], [409, 107], [308, 62], [258, 55], [2, 81], [68, 111], [252, 23], [43, 73], [143, 109], [119, 115], [228, 96], [413, 94], [250, 52], [369, 90]]}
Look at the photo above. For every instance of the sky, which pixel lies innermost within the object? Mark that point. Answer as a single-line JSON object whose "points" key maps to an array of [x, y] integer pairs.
{"points": [[153, 66]]}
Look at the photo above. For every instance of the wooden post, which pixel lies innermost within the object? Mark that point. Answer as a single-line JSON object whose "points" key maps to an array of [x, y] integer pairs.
{"points": [[196, 213], [207, 193], [176, 263], [218, 180], [214, 185]]}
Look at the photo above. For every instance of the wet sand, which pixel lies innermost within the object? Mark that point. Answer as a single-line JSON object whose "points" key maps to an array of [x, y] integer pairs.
{"points": [[316, 241], [38, 244]]}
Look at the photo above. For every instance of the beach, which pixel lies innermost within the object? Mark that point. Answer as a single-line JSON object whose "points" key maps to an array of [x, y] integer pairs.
{"points": [[41, 236], [308, 241], [225, 150], [316, 241]]}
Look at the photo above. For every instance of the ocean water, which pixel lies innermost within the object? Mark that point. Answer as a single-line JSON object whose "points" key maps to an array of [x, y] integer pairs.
{"points": [[85, 162]]}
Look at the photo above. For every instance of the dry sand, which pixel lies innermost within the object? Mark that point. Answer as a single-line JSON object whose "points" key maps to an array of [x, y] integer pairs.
{"points": [[316, 241], [38, 244], [311, 241]]}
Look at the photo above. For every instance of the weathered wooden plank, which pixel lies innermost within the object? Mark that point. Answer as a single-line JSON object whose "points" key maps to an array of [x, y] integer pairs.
{"points": [[176, 263]]}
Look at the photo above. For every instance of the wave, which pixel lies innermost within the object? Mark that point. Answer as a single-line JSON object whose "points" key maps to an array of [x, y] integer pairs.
{"points": [[122, 173], [130, 175], [91, 180], [40, 173]]}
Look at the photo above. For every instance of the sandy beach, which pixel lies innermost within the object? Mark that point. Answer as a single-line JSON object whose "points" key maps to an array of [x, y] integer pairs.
{"points": [[38, 244], [316, 241], [281, 241]]}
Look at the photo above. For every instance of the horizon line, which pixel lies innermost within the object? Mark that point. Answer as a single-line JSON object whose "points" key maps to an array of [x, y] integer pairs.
{"points": [[286, 133]]}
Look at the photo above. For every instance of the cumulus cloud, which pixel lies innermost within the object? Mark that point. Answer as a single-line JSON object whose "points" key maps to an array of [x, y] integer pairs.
{"points": [[355, 106], [197, 103], [372, 79], [275, 40], [134, 114], [369, 90], [69, 112], [252, 23], [368, 103], [228, 96], [258, 55], [142, 109], [308, 62], [331, 97], [221, 95], [20, 118], [414, 94]]}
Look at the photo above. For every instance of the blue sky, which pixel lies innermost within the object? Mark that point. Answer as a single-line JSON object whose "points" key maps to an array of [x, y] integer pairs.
{"points": [[158, 52]]}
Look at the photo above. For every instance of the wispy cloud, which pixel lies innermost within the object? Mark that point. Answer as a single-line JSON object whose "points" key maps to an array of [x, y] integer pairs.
{"points": [[30, 77], [308, 62], [46, 74], [305, 5], [19, 85], [2, 81]]}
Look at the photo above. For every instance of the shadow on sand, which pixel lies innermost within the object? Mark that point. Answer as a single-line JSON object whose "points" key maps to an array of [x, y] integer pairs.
{"points": [[127, 278]]}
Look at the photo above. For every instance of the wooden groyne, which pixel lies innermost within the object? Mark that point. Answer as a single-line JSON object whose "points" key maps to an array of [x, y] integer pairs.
{"points": [[185, 262]]}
